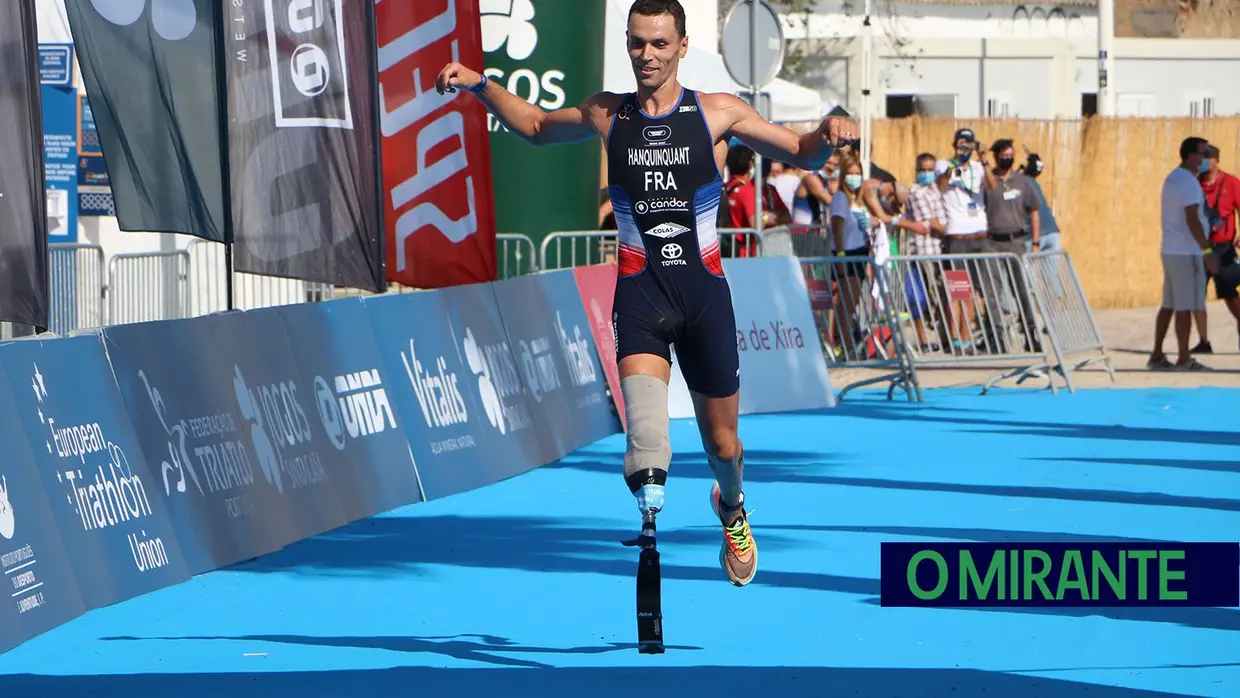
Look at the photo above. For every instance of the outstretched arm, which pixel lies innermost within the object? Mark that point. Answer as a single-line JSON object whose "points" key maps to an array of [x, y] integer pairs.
{"points": [[532, 124], [808, 152]]}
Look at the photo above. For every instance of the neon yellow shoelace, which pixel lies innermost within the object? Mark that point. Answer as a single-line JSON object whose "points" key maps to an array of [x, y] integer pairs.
{"points": [[739, 536]]}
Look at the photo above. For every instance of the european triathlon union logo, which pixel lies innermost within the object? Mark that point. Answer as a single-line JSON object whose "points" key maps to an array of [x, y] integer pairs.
{"points": [[1154, 573]]}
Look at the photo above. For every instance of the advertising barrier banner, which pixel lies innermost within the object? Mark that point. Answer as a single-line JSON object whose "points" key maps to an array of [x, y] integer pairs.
{"points": [[369, 460], [596, 286], [782, 364], [436, 396], [45, 591], [222, 500], [252, 354], [549, 333], [512, 426], [105, 502]]}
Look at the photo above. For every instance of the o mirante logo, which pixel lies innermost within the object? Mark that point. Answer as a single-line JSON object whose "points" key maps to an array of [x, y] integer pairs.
{"points": [[1100, 575]]}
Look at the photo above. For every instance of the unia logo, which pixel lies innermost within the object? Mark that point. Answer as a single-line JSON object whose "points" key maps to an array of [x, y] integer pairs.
{"points": [[7, 522], [477, 363], [172, 19], [509, 24]]}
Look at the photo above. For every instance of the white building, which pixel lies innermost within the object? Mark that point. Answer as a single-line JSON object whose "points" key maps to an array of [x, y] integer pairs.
{"points": [[973, 59]]}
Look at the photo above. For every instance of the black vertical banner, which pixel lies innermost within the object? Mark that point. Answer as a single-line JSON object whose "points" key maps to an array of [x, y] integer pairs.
{"points": [[150, 76], [23, 199], [303, 145]]}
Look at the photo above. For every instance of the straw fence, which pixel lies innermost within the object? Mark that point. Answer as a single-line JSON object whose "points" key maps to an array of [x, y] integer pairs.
{"points": [[1103, 178]]}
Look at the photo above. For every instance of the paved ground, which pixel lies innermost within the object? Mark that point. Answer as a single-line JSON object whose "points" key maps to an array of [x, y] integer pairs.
{"points": [[1129, 335]]}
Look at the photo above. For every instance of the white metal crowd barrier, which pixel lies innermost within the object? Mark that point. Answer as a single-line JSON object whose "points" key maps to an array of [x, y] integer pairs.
{"points": [[1070, 321], [856, 315], [147, 287], [517, 255], [1023, 316], [77, 283], [209, 292]]}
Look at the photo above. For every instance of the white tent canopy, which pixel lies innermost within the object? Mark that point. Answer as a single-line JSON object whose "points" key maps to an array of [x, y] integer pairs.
{"points": [[702, 69]]}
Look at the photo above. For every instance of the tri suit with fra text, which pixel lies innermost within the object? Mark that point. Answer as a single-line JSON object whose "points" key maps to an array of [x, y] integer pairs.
{"points": [[665, 188]]}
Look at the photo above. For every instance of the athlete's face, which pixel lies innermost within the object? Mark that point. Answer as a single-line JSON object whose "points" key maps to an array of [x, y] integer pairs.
{"points": [[655, 48]]}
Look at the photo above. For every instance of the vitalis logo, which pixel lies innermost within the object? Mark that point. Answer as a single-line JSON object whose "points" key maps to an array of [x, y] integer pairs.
{"points": [[439, 395], [172, 20], [310, 84], [359, 406], [581, 366], [115, 496], [280, 432], [221, 457]]}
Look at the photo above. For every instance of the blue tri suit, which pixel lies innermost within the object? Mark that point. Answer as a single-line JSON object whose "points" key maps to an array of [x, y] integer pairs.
{"points": [[665, 188]]}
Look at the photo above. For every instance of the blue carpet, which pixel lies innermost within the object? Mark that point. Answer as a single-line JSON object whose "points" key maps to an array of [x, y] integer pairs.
{"points": [[522, 588]]}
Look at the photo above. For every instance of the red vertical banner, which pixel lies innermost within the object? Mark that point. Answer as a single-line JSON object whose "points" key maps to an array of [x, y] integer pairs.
{"points": [[597, 285], [436, 156]]}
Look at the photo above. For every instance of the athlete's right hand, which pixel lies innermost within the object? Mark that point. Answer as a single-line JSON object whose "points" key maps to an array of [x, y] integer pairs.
{"points": [[455, 75]]}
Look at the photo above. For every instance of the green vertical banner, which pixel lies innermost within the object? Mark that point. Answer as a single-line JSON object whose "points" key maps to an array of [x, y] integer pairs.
{"points": [[549, 52]]}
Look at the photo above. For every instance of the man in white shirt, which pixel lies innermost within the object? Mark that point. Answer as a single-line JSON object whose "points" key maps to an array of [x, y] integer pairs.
{"points": [[785, 178], [963, 200], [1186, 256]]}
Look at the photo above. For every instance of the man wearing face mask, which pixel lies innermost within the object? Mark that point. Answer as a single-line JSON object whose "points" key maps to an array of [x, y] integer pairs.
{"points": [[1012, 210], [1184, 247], [966, 211]]}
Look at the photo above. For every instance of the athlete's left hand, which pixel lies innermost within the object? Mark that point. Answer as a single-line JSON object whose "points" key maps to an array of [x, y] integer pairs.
{"points": [[838, 130]]}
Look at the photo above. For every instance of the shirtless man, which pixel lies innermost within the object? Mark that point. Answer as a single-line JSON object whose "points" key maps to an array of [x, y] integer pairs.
{"points": [[665, 152]]}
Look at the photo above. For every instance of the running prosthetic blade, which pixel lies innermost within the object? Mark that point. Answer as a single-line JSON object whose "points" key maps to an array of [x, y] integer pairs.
{"points": [[649, 591]]}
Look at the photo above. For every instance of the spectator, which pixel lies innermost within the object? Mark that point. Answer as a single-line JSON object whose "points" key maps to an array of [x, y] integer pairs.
{"points": [[739, 193], [1184, 244], [1049, 228], [1226, 283], [786, 179], [850, 237], [963, 200], [606, 215], [1012, 217], [1222, 195], [924, 285]]}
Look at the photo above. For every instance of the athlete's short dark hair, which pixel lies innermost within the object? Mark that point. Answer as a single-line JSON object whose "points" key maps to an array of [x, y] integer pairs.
{"points": [[654, 8]]}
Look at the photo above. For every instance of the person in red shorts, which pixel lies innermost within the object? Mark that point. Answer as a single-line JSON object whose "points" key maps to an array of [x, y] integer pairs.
{"points": [[1222, 193]]}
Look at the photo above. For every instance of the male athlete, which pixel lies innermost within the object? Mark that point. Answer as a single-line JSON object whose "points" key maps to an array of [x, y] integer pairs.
{"points": [[665, 151]]}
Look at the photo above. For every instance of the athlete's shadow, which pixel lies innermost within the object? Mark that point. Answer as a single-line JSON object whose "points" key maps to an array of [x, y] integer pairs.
{"points": [[485, 649], [534, 544]]}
